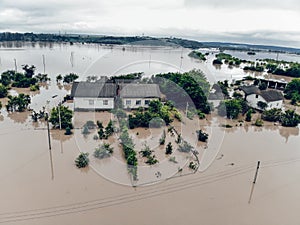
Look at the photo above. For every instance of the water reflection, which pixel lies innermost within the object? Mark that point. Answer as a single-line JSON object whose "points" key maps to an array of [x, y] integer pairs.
{"points": [[286, 132]]}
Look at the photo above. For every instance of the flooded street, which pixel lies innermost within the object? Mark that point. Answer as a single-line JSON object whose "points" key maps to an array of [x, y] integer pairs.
{"points": [[43, 187]]}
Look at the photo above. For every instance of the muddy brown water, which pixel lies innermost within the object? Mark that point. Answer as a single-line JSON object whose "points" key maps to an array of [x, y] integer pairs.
{"points": [[32, 194], [45, 188]]}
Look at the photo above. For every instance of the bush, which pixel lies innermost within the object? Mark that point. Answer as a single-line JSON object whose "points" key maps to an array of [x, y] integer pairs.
{"points": [[202, 136], [248, 115], [68, 131], [34, 87], [185, 147], [3, 91], [169, 149], [259, 123], [82, 160], [103, 151], [272, 115]]}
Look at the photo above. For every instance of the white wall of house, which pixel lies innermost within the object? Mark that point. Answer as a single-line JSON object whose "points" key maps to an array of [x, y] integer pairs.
{"points": [[93, 103], [275, 104], [253, 99], [134, 103]]}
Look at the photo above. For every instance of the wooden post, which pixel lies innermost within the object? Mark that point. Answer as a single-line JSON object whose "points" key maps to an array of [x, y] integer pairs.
{"points": [[257, 168]]}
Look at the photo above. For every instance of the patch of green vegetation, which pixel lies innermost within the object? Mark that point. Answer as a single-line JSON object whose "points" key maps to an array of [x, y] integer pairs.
{"points": [[197, 55], [82, 160]]}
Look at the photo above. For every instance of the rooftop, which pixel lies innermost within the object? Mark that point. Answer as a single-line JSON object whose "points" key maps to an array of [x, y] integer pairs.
{"points": [[93, 89], [271, 95], [140, 91]]}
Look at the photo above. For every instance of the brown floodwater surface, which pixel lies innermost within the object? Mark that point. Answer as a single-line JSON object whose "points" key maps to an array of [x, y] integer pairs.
{"points": [[34, 193]]}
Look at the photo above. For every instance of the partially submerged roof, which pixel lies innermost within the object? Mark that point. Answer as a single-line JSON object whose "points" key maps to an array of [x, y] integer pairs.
{"points": [[140, 91], [93, 89], [249, 90], [271, 95]]}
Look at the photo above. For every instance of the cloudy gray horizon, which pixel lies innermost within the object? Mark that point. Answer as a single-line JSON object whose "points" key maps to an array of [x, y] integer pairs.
{"points": [[255, 22]]}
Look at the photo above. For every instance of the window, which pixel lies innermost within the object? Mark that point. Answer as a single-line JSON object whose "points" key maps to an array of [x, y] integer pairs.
{"points": [[105, 102], [128, 102], [256, 96], [147, 102], [138, 102], [91, 102]]}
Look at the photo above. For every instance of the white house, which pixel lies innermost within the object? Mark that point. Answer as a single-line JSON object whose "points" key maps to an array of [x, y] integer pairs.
{"points": [[97, 95], [135, 95], [273, 98]]}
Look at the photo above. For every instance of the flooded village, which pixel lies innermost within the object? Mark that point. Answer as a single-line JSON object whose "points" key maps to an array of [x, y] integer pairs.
{"points": [[166, 134]]}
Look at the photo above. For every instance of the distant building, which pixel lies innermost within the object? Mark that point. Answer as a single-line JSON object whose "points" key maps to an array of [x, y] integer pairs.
{"points": [[93, 95], [135, 95], [273, 98]]}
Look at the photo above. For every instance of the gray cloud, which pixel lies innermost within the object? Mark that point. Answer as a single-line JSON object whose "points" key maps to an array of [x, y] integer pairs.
{"points": [[156, 17], [240, 4]]}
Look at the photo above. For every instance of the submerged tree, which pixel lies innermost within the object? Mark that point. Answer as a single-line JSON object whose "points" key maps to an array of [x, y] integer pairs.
{"points": [[82, 160], [61, 114]]}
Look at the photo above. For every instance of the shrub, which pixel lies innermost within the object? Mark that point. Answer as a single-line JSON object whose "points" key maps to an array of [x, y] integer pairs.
{"points": [[103, 151], [185, 147], [202, 136], [259, 123], [169, 149], [82, 160], [68, 131]]}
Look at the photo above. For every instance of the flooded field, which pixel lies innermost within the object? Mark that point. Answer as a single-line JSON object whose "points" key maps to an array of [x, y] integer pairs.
{"points": [[42, 187]]}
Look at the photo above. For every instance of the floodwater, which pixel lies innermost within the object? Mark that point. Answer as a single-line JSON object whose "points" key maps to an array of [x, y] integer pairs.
{"points": [[44, 187]]}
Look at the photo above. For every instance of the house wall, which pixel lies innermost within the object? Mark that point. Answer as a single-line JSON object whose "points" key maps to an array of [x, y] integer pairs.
{"points": [[98, 103], [254, 99], [131, 102]]}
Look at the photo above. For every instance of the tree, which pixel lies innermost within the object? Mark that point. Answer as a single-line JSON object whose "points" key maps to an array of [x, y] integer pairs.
{"points": [[69, 78], [169, 149], [293, 89], [262, 105], [185, 147], [231, 108], [290, 119], [202, 136], [103, 151], [272, 115], [28, 70], [109, 130], [18, 103], [82, 160], [59, 78], [248, 115], [0, 105], [65, 116], [101, 132], [3, 91]]}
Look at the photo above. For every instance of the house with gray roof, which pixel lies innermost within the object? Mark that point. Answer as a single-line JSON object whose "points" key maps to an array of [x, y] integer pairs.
{"points": [[97, 95], [273, 98], [134, 95]]}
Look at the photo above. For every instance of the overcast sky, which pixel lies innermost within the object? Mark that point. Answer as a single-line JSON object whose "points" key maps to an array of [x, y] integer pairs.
{"points": [[274, 22]]}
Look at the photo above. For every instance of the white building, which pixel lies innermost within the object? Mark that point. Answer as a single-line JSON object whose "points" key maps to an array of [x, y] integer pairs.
{"points": [[135, 95], [93, 95], [273, 98]]}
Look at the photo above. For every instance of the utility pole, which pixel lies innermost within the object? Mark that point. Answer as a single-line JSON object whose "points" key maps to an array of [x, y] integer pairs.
{"points": [[253, 183], [256, 173], [49, 141]]}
